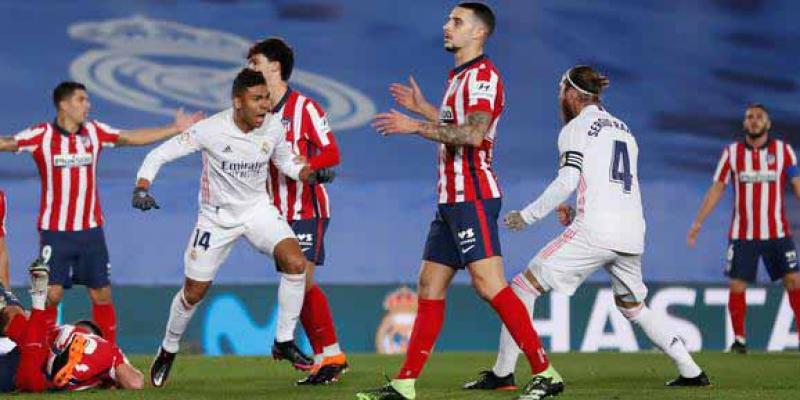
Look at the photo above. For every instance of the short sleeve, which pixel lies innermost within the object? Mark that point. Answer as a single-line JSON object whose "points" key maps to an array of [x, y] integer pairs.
{"points": [[791, 162], [319, 131], [571, 145], [30, 139], [107, 135], [483, 90], [723, 172]]}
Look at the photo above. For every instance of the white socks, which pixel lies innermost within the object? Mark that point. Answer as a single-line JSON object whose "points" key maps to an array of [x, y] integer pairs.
{"points": [[509, 351], [291, 293], [180, 313], [664, 338]]}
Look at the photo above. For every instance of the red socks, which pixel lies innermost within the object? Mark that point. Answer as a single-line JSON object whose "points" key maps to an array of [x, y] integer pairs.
{"points": [[427, 325], [16, 328], [515, 316], [106, 319], [317, 320], [794, 301], [737, 307]]}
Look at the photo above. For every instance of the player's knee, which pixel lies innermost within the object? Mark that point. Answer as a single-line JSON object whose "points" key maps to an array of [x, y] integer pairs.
{"points": [[485, 289], [101, 295], [54, 295], [294, 264], [791, 281], [628, 306], [428, 289], [737, 286], [192, 296]]}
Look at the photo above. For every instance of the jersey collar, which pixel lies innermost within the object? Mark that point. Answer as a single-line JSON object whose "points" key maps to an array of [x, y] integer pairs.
{"points": [[81, 129], [283, 101], [766, 144], [457, 70]]}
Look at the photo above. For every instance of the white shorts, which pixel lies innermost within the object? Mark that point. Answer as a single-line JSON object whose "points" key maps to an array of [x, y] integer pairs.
{"points": [[210, 243], [568, 260]]}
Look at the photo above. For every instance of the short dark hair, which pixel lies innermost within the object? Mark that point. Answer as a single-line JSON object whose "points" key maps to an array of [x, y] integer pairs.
{"points": [[483, 12], [758, 105], [585, 79], [64, 90], [246, 78], [90, 325], [275, 49]]}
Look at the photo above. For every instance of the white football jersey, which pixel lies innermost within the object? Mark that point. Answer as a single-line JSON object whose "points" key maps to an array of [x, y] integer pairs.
{"points": [[235, 163], [609, 204]]}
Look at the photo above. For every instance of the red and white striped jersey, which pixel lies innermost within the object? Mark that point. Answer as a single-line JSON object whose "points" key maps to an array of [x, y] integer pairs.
{"points": [[759, 179], [310, 136], [2, 214], [67, 165], [465, 172]]}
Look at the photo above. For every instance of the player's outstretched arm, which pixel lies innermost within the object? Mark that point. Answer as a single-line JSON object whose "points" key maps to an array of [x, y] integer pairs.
{"points": [[471, 133], [712, 197], [8, 143], [4, 276], [128, 377], [411, 98], [796, 186], [145, 136]]}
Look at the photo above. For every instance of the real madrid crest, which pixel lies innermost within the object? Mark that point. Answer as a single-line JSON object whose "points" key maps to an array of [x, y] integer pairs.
{"points": [[395, 329], [265, 147]]}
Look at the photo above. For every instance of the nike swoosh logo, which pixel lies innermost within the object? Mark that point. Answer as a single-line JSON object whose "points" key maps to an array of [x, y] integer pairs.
{"points": [[464, 251]]}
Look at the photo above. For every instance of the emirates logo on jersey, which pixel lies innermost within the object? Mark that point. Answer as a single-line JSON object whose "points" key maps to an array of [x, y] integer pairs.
{"points": [[72, 160]]}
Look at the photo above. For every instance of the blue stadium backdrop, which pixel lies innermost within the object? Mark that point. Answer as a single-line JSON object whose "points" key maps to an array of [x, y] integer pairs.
{"points": [[681, 74]]}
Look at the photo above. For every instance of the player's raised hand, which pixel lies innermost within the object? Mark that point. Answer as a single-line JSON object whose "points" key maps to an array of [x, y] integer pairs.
{"points": [[394, 122], [514, 221], [565, 213], [409, 97], [691, 238], [183, 121]]}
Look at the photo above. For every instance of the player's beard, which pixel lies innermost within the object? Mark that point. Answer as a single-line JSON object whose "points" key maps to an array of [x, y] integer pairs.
{"points": [[757, 134], [566, 114]]}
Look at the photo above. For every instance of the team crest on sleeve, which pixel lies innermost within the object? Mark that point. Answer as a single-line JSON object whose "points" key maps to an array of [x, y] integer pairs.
{"points": [[446, 114]]}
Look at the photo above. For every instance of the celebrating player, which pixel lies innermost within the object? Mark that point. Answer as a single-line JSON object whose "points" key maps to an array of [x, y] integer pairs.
{"points": [[66, 152], [69, 357], [237, 145], [599, 157], [464, 232], [760, 168], [305, 206]]}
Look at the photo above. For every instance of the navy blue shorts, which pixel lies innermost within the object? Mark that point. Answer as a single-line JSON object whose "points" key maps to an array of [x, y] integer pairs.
{"points": [[8, 370], [79, 258], [462, 233], [11, 300], [779, 255], [311, 234]]}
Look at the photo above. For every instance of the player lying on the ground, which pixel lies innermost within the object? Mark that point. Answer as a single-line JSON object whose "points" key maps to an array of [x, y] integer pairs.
{"points": [[48, 357], [598, 157], [237, 145]]}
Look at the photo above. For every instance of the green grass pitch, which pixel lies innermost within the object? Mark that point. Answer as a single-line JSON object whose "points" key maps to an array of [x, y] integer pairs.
{"points": [[588, 376]]}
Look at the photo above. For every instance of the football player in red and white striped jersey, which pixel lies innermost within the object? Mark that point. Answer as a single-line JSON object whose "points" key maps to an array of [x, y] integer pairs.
{"points": [[464, 233], [759, 167], [305, 206], [66, 152]]}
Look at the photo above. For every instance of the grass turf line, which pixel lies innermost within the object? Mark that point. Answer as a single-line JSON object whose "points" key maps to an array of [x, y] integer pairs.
{"points": [[587, 376]]}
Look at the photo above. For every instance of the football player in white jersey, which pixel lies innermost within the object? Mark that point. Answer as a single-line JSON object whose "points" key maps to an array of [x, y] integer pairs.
{"points": [[237, 145], [598, 157]]}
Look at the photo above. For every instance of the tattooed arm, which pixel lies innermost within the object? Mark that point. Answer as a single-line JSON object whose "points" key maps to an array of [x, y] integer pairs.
{"points": [[471, 133]]}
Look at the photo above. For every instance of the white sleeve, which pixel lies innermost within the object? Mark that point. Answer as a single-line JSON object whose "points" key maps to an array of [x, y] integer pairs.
{"points": [[571, 143], [558, 192], [284, 159], [177, 147]]}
